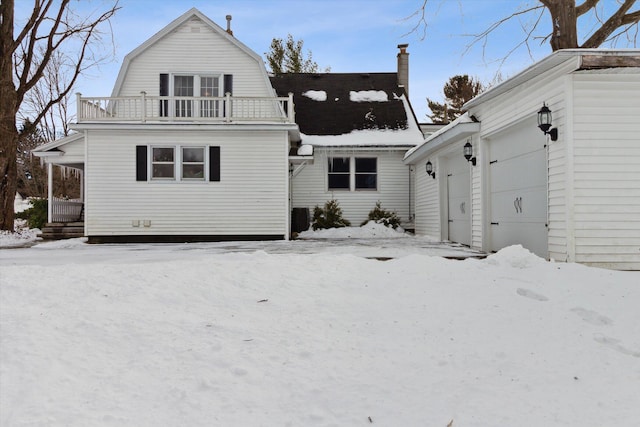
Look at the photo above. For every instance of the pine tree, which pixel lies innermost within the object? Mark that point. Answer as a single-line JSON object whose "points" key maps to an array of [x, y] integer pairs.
{"points": [[459, 90], [287, 57]]}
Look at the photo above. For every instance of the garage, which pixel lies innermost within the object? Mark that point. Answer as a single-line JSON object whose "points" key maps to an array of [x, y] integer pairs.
{"points": [[458, 191], [518, 189]]}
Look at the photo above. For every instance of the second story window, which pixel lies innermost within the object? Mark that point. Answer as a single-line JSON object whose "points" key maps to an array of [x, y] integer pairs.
{"points": [[195, 85]]}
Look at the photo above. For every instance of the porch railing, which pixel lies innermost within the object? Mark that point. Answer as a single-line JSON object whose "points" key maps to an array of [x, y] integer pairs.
{"points": [[66, 210], [185, 108]]}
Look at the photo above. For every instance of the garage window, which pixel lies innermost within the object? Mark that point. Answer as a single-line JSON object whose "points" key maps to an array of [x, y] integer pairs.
{"points": [[339, 173]]}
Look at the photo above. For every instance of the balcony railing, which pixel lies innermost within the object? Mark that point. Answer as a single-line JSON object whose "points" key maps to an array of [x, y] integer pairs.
{"points": [[185, 108]]}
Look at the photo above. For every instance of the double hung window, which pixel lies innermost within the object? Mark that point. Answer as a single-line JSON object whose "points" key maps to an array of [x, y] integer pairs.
{"points": [[193, 163], [352, 173]]}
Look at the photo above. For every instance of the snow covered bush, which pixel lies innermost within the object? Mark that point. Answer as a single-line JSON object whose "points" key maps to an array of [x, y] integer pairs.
{"points": [[383, 216], [329, 217]]}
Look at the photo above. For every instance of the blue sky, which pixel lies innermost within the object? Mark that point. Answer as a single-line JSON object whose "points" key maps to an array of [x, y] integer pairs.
{"points": [[346, 35]]}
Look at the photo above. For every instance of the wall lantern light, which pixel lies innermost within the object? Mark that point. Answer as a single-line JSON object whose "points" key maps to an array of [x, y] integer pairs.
{"points": [[468, 153], [544, 122], [429, 169]]}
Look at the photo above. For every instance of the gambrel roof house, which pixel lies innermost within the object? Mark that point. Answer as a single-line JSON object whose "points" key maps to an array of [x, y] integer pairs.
{"points": [[572, 194], [194, 144]]}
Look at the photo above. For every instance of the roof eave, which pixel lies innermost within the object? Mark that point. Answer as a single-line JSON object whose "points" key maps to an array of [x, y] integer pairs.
{"points": [[455, 133]]}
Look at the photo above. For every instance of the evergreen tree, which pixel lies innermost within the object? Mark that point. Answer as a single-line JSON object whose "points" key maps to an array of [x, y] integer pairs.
{"points": [[287, 57], [459, 90]]}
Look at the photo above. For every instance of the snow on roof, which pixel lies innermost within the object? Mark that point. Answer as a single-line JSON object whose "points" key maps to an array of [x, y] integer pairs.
{"points": [[368, 96], [408, 137], [316, 95], [463, 119]]}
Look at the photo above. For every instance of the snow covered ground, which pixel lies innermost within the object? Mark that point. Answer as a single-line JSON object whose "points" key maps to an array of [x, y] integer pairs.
{"points": [[312, 333]]}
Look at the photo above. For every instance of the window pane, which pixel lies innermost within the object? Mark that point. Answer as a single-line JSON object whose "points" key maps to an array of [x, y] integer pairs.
{"points": [[183, 85], [366, 173], [339, 181], [339, 164], [209, 86], [366, 181], [366, 165], [193, 171], [193, 154], [162, 171], [163, 154]]}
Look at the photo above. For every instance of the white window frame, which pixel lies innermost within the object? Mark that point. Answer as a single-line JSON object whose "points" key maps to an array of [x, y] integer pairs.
{"points": [[151, 163], [352, 173], [195, 108], [203, 163], [178, 164]]}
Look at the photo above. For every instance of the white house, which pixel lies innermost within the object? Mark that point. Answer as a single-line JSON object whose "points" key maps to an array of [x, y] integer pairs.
{"points": [[572, 194], [194, 143], [355, 129], [191, 145]]}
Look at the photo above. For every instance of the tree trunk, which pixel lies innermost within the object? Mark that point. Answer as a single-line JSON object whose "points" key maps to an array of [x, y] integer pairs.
{"points": [[8, 130], [564, 23]]}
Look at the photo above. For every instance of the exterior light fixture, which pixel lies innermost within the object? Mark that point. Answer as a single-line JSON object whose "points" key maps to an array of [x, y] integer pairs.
{"points": [[544, 122], [429, 169], [468, 153]]}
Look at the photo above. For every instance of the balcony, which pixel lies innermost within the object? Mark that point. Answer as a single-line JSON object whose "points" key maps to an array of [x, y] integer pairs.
{"points": [[227, 109]]}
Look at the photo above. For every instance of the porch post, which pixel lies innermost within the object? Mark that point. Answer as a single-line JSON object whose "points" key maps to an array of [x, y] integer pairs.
{"points": [[49, 192], [82, 186]]}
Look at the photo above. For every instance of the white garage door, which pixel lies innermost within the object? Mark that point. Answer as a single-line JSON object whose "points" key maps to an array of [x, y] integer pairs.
{"points": [[518, 189], [459, 201]]}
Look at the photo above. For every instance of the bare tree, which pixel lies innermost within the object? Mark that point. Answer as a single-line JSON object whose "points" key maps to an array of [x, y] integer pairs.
{"points": [[54, 124], [620, 24], [52, 27]]}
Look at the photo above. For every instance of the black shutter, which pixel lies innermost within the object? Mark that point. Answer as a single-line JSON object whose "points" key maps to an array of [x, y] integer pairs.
{"points": [[141, 162], [164, 91], [214, 163], [228, 84]]}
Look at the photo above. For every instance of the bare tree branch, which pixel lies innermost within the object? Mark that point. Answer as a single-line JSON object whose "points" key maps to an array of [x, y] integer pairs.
{"points": [[618, 19], [586, 6]]}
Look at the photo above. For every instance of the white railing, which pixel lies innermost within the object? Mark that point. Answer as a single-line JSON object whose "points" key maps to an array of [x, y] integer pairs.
{"points": [[66, 210], [185, 108]]}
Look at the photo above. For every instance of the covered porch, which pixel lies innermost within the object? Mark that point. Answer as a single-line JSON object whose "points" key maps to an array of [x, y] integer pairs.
{"points": [[65, 216]]}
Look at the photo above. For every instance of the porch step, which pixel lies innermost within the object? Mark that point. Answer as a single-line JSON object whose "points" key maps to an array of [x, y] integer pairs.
{"points": [[62, 230]]}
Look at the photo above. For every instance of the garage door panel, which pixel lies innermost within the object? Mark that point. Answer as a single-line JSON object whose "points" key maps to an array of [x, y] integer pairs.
{"points": [[519, 205], [516, 173], [458, 200], [518, 189], [507, 234]]}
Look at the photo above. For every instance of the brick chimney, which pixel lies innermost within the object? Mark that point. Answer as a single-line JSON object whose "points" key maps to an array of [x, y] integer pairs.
{"points": [[403, 68], [229, 25]]}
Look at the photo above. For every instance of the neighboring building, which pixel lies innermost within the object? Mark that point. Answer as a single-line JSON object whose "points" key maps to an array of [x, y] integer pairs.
{"points": [[574, 199], [355, 129], [194, 144]]}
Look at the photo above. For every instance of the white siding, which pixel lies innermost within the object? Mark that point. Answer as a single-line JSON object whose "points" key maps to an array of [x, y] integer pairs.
{"points": [[194, 48], [516, 106], [477, 182], [250, 198], [607, 169], [428, 217], [309, 187]]}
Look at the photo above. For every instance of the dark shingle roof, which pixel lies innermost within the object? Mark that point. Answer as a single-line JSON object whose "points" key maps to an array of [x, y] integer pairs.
{"points": [[338, 114]]}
